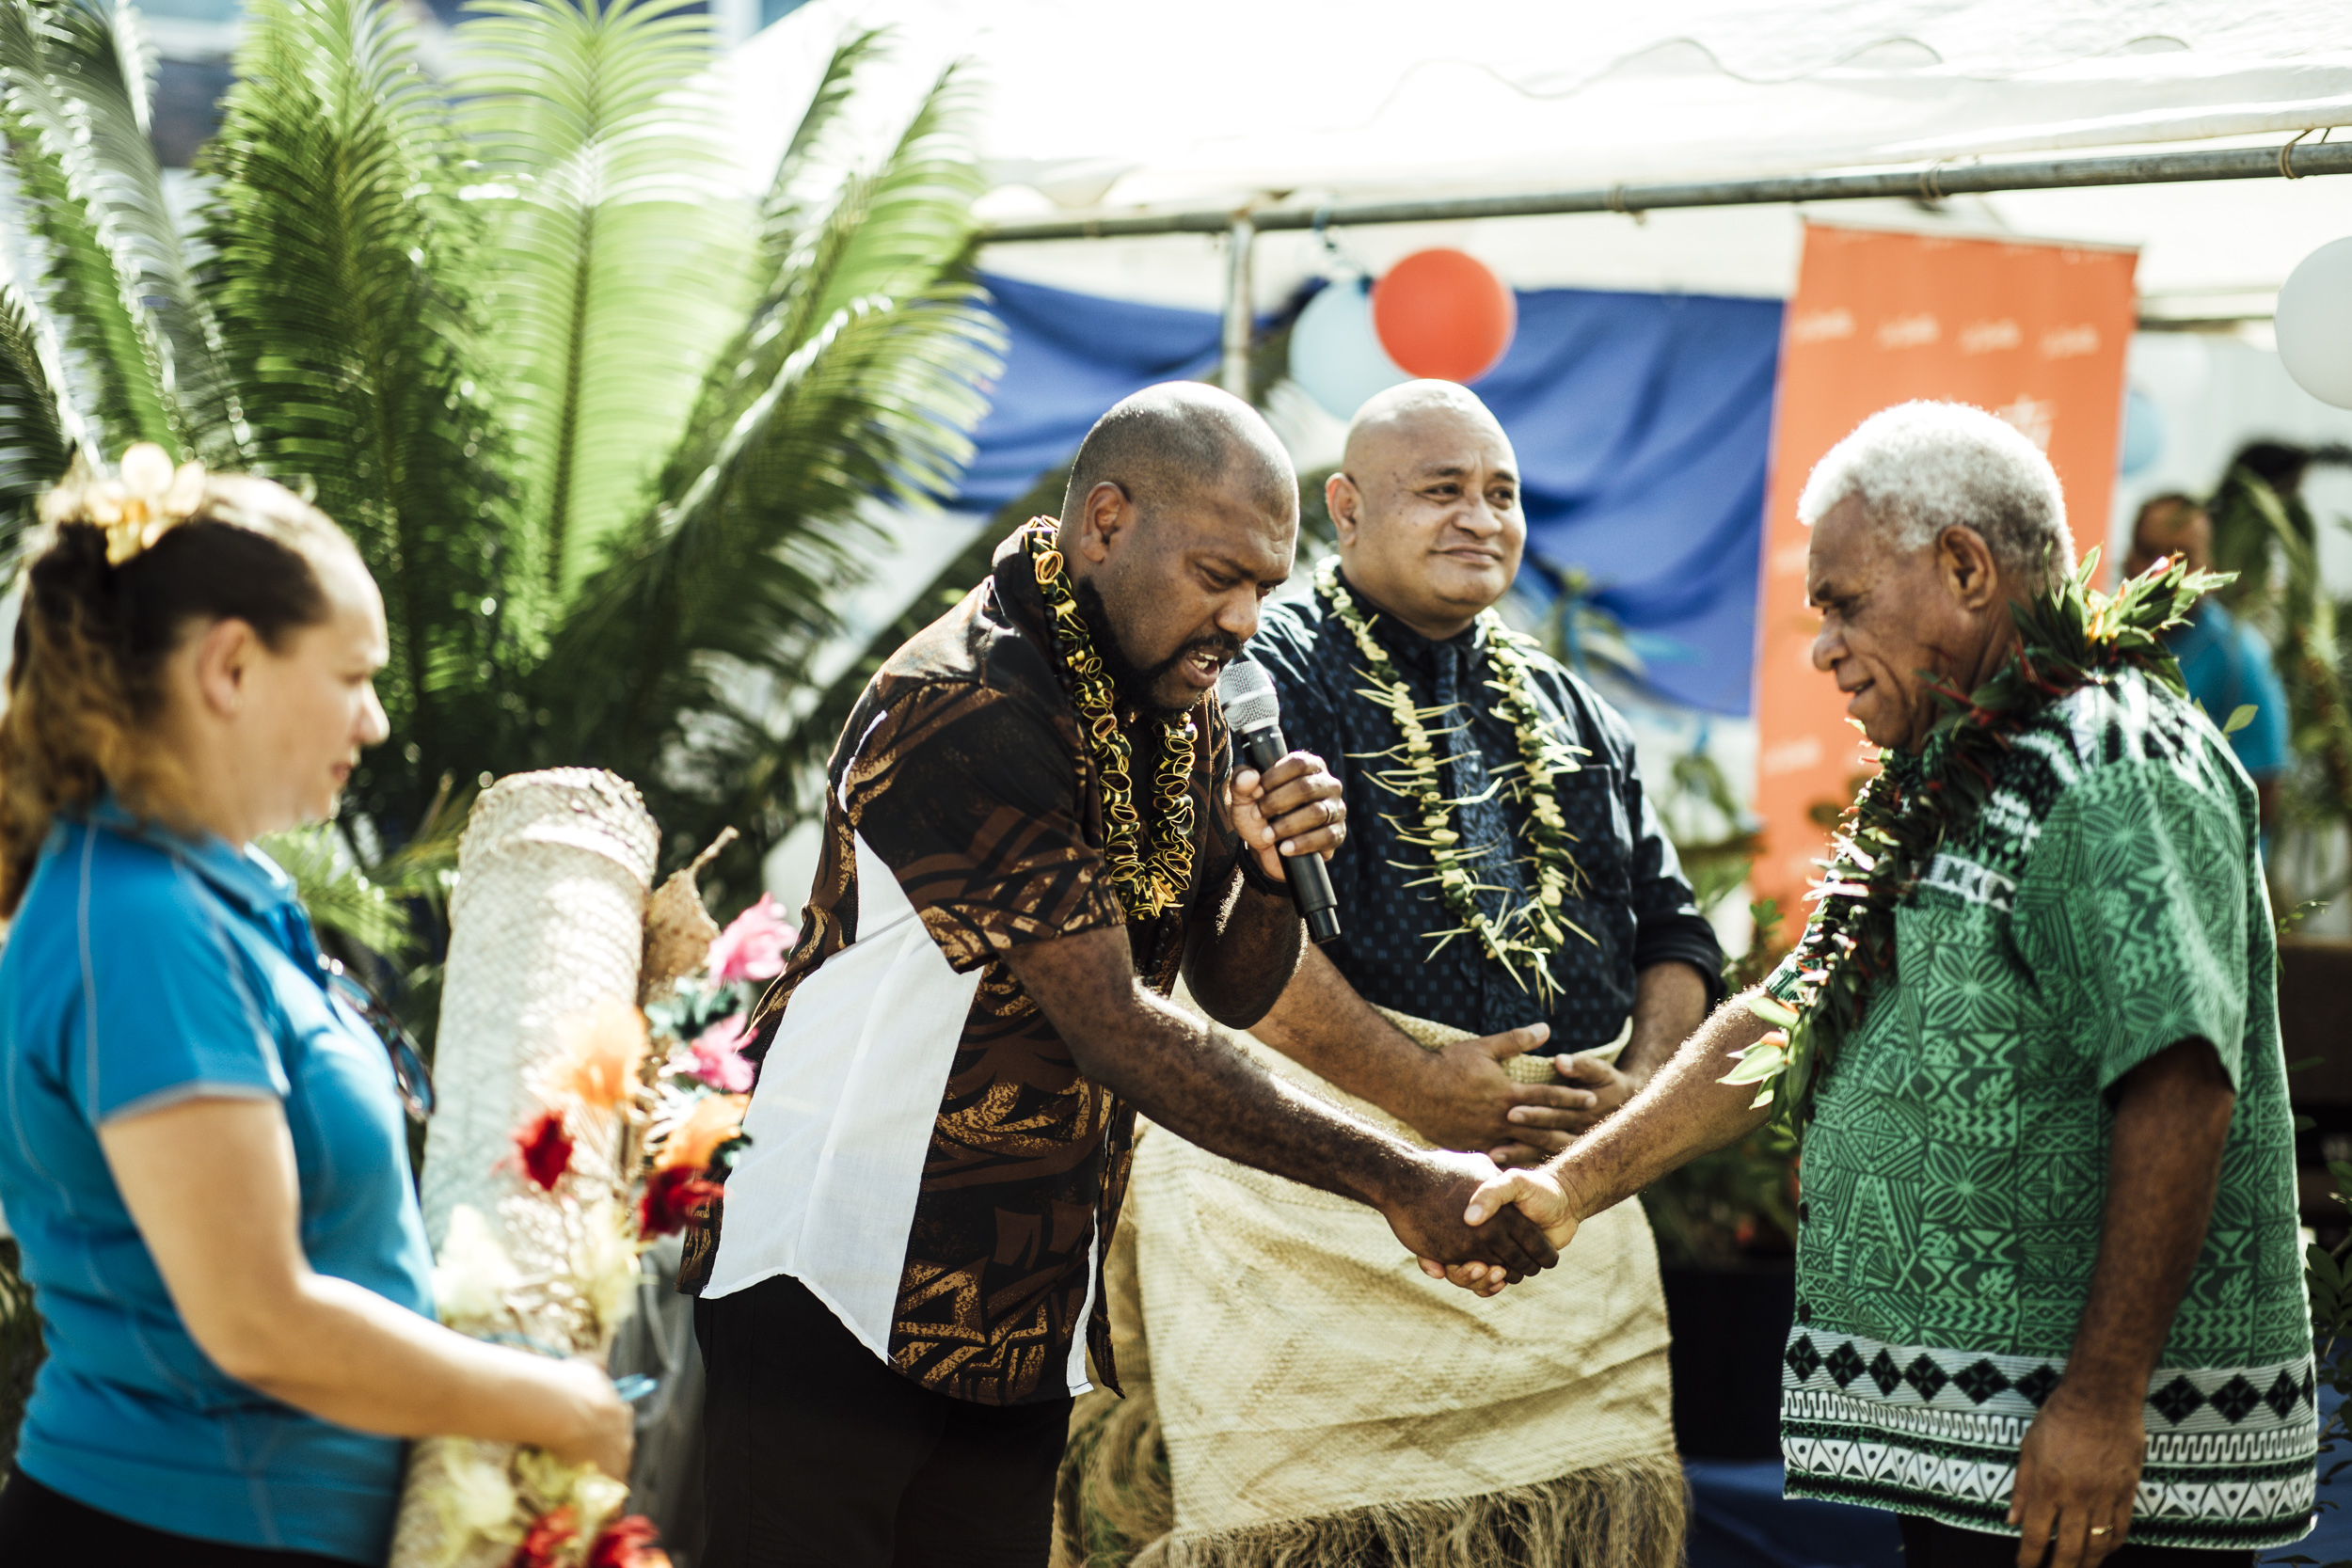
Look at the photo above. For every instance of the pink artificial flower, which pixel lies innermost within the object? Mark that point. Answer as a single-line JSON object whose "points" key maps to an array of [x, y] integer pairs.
{"points": [[719, 1056], [753, 947]]}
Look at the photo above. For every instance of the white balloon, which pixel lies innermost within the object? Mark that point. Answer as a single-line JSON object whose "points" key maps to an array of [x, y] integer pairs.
{"points": [[1336, 352], [2314, 324]]}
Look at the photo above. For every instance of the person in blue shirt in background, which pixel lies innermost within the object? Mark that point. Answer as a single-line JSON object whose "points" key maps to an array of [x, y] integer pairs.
{"points": [[2226, 665], [203, 1155]]}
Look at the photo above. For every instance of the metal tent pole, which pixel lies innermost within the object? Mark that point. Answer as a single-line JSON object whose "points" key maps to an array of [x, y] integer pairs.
{"points": [[1233, 372], [2293, 161]]}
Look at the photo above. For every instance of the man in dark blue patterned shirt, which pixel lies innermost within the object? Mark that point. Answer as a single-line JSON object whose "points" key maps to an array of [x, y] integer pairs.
{"points": [[1521, 951], [1431, 531]]}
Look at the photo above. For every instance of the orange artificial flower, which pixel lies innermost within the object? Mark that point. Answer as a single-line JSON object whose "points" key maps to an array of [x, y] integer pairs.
{"points": [[603, 1051], [714, 1119]]}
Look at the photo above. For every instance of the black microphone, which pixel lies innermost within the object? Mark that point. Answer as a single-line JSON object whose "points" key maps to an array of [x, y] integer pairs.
{"points": [[1254, 714]]}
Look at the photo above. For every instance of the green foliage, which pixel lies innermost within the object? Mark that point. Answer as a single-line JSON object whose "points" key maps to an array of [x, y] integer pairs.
{"points": [[594, 181], [39, 432], [21, 1350], [2271, 542], [857, 377], [343, 271], [605, 432]]}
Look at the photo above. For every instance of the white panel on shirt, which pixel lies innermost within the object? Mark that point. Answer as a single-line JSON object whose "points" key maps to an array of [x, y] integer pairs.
{"points": [[842, 1117]]}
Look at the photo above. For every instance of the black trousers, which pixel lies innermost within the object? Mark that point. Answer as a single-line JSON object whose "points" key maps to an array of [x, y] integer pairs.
{"points": [[1932, 1543], [39, 1526], [816, 1453]]}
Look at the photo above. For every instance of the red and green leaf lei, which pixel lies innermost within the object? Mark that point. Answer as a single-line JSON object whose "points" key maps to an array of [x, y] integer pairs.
{"points": [[2069, 637]]}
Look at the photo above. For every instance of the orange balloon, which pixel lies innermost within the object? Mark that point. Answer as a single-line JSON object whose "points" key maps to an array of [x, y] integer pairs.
{"points": [[1444, 314]]}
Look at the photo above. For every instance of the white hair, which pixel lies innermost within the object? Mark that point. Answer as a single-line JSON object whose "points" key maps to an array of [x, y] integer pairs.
{"points": [[1921, 468]]}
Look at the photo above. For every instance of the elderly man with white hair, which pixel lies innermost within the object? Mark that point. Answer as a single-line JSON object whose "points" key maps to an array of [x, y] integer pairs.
{"points": [[2049, 1292]]}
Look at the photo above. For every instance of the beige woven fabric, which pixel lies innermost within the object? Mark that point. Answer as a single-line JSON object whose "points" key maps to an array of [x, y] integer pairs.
{"points": [[1305, 1367]]}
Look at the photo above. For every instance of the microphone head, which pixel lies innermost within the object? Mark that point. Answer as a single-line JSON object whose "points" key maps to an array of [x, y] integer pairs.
{"points": [[1246, 692]]}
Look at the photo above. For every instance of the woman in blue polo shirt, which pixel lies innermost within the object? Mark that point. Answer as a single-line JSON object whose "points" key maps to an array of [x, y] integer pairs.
{"points": [[203, 1155]]}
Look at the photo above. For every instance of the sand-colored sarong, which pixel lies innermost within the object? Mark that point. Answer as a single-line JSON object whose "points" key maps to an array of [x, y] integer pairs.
{"points": [[1323, 1402]]}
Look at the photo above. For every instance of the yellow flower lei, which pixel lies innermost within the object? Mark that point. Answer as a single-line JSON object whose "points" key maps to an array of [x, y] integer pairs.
{"points": [[1526, 937], [1151, 873]]}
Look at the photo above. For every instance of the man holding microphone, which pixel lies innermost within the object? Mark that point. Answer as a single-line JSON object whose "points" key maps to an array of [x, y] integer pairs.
{"points": [[1033, 828]]}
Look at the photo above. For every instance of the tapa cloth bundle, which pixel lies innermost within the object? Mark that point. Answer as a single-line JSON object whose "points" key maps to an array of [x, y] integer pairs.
{"points": [[1321, 1400]]}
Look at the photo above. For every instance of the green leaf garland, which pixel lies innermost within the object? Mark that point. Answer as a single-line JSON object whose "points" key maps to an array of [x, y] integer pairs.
{"points": [[2069, 637], [1524, 939]]}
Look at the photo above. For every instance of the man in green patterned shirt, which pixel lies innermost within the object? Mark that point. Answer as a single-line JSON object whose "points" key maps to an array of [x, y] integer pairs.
{"points": [[2049, 1290]]}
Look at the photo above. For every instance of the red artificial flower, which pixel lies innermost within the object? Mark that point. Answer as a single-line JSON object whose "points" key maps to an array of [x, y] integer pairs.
{"points": [[628, 1544], [673, 1197], [546, 1537], [544, 1147]]}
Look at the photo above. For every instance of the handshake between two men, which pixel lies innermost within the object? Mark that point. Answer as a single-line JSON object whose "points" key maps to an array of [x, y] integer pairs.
{"points": [[1239, 960], [1456, 1206]]}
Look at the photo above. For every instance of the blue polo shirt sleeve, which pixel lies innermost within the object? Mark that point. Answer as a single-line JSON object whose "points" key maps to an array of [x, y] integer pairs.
{"points": [[2262, 745], [170, 1010]]}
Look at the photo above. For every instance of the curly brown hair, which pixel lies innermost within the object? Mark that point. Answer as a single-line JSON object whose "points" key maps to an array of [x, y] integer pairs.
{"points": [[92, 638]]}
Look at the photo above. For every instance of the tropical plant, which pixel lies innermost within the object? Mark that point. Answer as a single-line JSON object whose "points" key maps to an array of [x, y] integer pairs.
{"points": [[2264, 533], [606, 431]]}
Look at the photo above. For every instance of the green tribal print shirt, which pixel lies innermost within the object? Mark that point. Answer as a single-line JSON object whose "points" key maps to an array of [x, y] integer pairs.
{"points": [[2106, 903]]}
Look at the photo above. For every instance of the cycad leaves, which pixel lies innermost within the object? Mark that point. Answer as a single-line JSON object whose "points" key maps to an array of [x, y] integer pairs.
{"points": [[76, 82], [820, 408], [343, 270], [39, 431], [619, 269]]}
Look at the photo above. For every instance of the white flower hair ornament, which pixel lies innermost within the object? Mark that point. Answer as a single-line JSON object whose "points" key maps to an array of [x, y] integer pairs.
{"points": [[146, 499]]}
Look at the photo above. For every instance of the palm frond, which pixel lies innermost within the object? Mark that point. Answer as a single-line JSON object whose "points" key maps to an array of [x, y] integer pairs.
{"points": [[338, 895], [619, 268], [791, 196], [105, 66], [40, 432], [76, 128], [735, 574], [813, 180], [344, 270], [727, 583]]}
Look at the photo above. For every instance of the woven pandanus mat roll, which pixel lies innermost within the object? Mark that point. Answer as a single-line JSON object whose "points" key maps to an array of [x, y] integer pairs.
{"points": [[547, 923], [548, 919]]}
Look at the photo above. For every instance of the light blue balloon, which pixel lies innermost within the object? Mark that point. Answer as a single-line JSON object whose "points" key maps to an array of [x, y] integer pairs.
{"points": [[2143, 432], [1335, 353]]}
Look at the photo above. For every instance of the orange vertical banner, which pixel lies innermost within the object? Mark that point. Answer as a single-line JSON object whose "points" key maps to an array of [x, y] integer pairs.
{"points": [[2034, 332]]}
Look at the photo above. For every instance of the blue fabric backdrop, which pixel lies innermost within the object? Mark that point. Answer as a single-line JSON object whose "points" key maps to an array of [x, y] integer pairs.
{"points": [[1643, 423]]}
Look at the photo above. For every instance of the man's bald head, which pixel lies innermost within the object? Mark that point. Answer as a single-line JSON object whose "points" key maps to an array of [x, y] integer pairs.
{"points": [[1428, 506], [1401, 417], [1170, 442]]}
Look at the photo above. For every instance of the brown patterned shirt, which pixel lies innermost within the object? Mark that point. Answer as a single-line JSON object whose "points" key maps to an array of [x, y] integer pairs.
{"points": [[924, 1155]]}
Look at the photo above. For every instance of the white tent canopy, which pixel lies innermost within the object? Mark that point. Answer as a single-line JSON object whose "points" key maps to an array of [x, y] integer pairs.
{"points": [[1219, 102], [1092, 108]]}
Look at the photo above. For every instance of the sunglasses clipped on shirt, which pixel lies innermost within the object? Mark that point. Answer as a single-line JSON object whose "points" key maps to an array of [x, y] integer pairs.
{"points": [[414, 1080]]}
